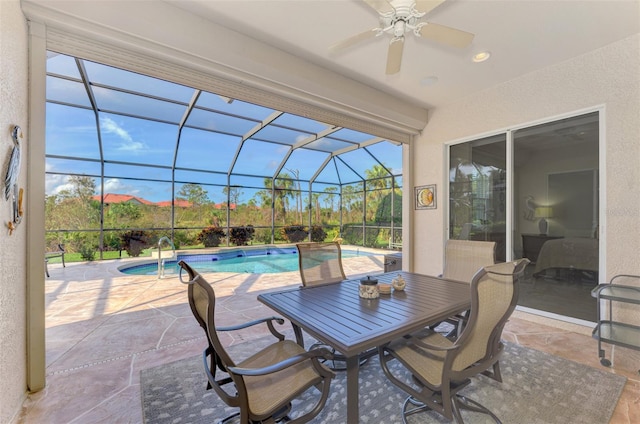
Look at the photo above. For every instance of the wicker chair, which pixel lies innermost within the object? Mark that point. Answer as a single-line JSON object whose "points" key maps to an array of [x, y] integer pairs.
{"points": [[440, 368], [263, 385]]}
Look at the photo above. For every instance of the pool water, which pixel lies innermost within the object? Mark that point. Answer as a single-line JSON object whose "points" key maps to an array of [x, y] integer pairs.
{"points": [[253, 261]]}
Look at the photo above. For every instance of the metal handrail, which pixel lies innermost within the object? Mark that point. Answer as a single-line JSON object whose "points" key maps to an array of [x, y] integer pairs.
{"points": [[160, 258]]}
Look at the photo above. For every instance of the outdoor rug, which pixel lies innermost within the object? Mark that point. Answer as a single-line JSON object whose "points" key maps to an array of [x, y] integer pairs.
{"points": [[537, 388]]}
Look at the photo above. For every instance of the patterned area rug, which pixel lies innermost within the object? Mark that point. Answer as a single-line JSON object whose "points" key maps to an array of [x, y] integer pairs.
{"points": [[537, 388]]}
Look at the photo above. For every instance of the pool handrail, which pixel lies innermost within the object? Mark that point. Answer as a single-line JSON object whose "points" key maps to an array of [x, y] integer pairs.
{"points": [[161, 258]]}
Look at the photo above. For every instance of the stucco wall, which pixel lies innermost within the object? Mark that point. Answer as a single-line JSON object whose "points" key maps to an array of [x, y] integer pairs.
{"points": [[609, 77], [13, 110]]}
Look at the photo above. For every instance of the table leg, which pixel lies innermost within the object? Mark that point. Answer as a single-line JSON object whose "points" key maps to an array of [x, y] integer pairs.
{"points": [[298, 333], [353, 384]]}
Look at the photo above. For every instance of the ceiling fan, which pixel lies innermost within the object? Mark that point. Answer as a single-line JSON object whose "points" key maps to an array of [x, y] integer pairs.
{"points": [[399, 17]]}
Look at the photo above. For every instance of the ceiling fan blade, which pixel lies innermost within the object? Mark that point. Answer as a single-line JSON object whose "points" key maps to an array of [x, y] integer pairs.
{"points": [[427, 6], [355, 39], [394, 56], [380, 6], [446, 35]]}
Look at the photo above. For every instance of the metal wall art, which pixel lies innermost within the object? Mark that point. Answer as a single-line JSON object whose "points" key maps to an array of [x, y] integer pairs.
{"points": [[425, 197]]}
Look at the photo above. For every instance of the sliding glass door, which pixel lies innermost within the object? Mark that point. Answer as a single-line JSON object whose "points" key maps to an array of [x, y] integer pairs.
{"points": [[553, 216]]}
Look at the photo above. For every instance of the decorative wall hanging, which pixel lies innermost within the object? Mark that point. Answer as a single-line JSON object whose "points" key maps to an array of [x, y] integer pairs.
{"points": [[425, 197], [11, 189]]}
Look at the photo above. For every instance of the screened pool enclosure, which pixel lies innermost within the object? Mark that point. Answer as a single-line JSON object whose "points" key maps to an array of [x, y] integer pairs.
{"points": [[129, 156]]}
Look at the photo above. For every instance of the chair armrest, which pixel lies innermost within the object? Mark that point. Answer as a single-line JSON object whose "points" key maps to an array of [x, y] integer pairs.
{"points": [[287, 363], [429, 346], [251, 324], [268, 320]]}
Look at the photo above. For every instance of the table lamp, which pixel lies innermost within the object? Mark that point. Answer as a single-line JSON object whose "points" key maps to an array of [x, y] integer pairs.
{"points": [[543, 212]]}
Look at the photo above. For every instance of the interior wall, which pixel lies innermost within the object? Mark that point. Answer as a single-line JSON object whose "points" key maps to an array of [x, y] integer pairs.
{"points": [[13, 273], [605, 77]]}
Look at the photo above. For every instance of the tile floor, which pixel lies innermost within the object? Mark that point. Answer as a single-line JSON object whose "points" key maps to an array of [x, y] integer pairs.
{"points": [[103, 327]]}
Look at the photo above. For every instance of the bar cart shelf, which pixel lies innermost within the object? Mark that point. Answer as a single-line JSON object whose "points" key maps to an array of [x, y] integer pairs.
{"points": [[616, 332]]}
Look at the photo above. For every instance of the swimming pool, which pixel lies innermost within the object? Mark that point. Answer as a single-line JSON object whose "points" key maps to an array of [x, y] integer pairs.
{"points": [[252, 261]]}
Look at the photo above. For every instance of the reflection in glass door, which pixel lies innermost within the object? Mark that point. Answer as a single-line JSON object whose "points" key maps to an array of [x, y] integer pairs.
{"points": [[477, 192], [554, 217]]}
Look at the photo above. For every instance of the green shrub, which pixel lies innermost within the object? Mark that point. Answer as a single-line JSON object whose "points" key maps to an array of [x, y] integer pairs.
{"points": [[211, 236], [241, 236], [87, 252]]}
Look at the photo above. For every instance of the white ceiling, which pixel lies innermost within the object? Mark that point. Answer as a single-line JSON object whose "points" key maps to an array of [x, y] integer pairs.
{"points": [[522, 36]]}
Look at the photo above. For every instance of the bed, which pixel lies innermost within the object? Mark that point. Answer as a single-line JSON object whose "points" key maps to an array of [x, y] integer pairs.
{"points": [[579, 253]]}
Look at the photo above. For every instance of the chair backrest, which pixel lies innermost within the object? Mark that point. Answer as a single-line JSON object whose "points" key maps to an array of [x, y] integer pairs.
{"points": [[494, 294], [463, 258], [320, 263], [202, 301]]}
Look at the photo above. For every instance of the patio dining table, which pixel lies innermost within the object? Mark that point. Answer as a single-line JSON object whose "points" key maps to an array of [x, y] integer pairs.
{"points": [[336, 315]]}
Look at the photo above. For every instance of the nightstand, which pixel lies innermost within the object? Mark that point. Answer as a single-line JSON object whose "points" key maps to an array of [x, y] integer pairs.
{"points": [[532, 243]]}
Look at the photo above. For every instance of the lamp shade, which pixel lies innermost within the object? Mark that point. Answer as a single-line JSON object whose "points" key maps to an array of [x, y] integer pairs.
{"points": [[544, 212]]}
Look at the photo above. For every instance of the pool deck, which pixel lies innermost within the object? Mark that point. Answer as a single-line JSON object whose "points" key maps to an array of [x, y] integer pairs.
{"points": [[103, 327]]}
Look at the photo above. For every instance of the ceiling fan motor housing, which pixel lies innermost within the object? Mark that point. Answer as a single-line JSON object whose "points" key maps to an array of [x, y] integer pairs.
{"points": [[402, 19]]}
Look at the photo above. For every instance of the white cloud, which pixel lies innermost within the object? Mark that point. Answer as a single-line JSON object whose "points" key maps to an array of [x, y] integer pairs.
{"points": [[115, 185], [109, 126], [54, 184]]}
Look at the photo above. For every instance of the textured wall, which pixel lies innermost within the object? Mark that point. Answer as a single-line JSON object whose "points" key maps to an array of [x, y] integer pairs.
{"points": [[607, 76], [13, 110]]}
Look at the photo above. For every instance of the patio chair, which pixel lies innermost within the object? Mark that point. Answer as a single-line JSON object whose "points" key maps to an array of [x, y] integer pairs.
{"points": [[321, 263], [440, 368], [462, 259], [263, 385], [55, 254]]}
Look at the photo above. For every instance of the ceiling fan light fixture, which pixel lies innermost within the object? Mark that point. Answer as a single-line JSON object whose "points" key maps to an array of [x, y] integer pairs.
{"points": [[481, 57]]}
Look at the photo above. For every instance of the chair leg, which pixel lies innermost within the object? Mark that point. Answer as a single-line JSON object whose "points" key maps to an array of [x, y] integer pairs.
{"points": [[462, 402]]}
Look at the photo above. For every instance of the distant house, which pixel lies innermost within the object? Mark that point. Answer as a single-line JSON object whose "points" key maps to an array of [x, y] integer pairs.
{"points": [[111, 198], [178, 202]]}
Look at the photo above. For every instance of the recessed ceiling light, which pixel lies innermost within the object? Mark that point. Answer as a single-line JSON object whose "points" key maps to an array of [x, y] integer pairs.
{"points": [[429, 80], [481, 57]]}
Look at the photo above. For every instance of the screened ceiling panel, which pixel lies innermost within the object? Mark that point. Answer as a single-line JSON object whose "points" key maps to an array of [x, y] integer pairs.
{"points": [[281, 135], [351, 135], [117, 170], [130, 81], [259, 158], [233, 107], [200, 118], [139, 123], [306, 162], [346, 172], [360, 161], [197, 147], [388, 155], [72, 167], [136, 140], [67, 91], [328, 144], [62, 65], [74, 133], [195, 177], [132, 104], [247, 182], [300, 123]]}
